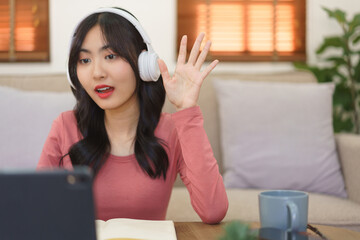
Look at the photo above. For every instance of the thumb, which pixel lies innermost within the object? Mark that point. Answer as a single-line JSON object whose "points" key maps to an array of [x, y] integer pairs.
{"points": [[163, 70]]}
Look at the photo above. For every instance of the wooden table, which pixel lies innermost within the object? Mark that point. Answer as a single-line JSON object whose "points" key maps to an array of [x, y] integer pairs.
{"points": [[201, 231]]}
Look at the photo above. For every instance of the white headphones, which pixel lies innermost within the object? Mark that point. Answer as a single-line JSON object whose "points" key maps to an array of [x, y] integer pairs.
{"points": [[148, 66]]}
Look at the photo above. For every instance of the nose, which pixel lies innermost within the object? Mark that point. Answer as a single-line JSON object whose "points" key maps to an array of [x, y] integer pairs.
{"points": [[98, 70]]}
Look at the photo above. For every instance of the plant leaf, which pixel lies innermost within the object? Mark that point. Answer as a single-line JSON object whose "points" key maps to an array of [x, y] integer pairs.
{"points": [[338, 61], [322, 75], [237, 230], [302, 66], [325, 74], [342, 97], [344, 79], [342, 125], [354, 23], [356, 40], [334, 41], [357, 71], [338, 14]]}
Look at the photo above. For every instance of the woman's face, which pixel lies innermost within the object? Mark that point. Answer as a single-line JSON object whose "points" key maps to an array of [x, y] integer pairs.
{"points": [[107, 78]]}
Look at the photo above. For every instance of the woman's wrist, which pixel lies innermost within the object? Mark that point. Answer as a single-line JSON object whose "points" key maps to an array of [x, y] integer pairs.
{"points": [[178, 109]]}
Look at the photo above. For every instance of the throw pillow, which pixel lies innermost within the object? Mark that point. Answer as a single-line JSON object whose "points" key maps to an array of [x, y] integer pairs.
{"points": [[278, 136], [25, 122]]}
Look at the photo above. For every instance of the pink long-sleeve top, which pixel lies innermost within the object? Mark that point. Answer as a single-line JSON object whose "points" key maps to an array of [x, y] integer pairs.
{"points": [[123, 189]]}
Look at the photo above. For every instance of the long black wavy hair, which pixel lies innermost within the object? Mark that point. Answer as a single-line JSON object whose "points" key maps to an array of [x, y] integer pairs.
{"points": [[94, 148]]}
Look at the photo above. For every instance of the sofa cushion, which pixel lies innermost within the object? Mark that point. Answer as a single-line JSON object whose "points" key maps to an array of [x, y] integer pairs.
{"points": [[348, 146], [26, 118], [244, 206], [278, 136]]}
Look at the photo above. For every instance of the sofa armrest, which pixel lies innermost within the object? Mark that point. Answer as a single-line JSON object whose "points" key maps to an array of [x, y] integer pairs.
{"points": [[348, 146]]}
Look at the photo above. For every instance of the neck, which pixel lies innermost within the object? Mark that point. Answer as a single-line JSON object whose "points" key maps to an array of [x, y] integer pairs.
{"points": [[121, 125]]}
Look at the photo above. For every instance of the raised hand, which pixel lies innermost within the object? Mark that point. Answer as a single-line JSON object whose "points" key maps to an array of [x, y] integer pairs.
{"points": [[183, 87]]}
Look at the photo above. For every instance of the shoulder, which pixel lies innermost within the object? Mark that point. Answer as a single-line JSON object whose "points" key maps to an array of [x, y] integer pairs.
{"points": [[65, 127], [66, 120], [66, 117]]}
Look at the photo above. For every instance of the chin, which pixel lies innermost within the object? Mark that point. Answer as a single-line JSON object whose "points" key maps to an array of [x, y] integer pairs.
{"points": [[104, 106]]}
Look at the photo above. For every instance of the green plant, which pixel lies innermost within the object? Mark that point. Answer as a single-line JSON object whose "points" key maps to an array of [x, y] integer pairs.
{"points": [[341, 67], [237, 230]]}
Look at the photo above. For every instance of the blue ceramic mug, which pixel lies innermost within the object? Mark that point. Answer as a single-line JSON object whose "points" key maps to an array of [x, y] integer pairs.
{"points": [[284, 209]]}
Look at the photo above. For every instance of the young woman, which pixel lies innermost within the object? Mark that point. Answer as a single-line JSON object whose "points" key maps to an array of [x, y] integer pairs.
{"points": [[117, 127]]}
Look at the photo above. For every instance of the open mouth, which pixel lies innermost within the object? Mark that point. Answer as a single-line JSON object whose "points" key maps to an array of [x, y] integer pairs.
{"points": [[104, 89]]}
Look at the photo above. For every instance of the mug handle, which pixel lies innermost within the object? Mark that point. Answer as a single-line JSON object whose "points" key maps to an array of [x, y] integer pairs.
{"points": [[294, 216]]}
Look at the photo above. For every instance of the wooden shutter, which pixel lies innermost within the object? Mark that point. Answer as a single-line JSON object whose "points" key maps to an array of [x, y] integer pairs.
{"points": [[24, 30], [246, 30]]}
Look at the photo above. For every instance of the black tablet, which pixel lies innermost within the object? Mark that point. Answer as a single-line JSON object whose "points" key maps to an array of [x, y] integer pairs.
{"points": [[51, 204]]}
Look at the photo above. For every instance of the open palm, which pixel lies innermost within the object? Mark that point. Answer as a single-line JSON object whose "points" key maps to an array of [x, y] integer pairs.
{"points": [[183, 87]]}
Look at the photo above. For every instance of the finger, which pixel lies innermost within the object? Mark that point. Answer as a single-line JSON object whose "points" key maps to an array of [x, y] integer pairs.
{"points": [[200, 61], [163, 70], [195, 49], [182, 50], [208, 69]]}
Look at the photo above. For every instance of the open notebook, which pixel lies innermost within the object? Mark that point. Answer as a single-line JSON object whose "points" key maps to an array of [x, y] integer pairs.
{"points": [[124, 228]]}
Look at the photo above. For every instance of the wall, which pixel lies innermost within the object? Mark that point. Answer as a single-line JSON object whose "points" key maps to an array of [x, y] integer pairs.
{"points": [[158, 17]]}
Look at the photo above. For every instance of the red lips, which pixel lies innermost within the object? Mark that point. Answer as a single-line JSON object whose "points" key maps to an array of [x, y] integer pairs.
{"points": [[104, 91]]}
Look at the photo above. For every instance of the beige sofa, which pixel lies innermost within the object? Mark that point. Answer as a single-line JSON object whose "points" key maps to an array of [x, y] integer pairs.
{"points": [[243, 203]]}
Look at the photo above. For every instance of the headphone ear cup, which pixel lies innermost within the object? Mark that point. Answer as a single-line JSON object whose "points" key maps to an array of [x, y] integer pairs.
{"points": [[148, 66]]}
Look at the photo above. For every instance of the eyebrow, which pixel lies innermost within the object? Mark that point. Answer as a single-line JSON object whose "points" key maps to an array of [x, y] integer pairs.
{"points": [[105, 47]]}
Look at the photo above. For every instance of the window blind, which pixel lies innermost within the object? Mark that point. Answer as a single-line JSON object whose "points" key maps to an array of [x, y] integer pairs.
{"points": [[24, 30], [246, 30]]}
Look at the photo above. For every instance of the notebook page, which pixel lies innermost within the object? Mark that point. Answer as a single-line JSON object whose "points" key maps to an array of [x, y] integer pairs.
{"points": [[124, 228]]}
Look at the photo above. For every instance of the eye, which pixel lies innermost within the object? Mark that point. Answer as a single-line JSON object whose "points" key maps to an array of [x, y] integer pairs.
{"points": [[84, 61], [110, 56]]}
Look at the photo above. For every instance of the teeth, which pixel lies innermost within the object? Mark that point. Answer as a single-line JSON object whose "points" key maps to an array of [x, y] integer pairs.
{"points": [[102, 89]]}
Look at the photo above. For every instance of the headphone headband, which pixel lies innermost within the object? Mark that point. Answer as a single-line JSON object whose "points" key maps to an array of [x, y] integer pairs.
{"points": [[128, 17], [152, 73]]}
